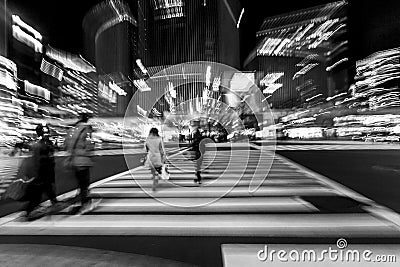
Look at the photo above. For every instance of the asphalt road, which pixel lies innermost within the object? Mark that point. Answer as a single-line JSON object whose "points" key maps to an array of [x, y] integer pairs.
{"points": [[105, 166], [372, 173]]}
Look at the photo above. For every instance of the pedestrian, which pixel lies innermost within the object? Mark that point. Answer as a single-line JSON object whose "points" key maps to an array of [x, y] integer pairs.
{"points": [[155, 155], [81, 149], [198, 157], [43, 165]]}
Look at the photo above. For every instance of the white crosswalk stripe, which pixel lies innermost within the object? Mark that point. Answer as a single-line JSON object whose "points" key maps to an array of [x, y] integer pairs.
{"points": [[289, 202], [339, 147]]}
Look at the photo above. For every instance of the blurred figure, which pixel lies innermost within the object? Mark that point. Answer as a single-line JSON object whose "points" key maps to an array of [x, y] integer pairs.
{"points": [[80, 149], [43, 171], [198, 154], [155, 155]]}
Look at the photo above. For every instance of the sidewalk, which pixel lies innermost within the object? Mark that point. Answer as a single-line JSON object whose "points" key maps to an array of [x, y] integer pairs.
{"points": [[50, 255]]}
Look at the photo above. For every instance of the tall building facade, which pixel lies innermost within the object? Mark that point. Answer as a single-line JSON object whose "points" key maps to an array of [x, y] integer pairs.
{"points": [[302, 57], [173, 32], [110, 40], [178, 31]]}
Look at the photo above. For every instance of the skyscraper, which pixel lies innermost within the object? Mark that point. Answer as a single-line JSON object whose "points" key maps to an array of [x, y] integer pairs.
{"points": [[178, 31], [110, 30], [302, 56]]}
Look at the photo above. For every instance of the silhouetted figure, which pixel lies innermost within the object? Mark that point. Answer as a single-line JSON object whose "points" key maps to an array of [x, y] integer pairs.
{"points": [[198, 154], [80, 149], [43, 172]]}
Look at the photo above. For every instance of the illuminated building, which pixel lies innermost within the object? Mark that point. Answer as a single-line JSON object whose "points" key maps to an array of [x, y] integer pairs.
{"points": [[25, 48], [178, 31], [110, 30], [9, 104], [302, 57], [181, 31], [73, 82]]}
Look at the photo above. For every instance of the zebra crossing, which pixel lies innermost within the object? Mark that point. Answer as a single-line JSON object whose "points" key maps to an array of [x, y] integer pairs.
{"points": [[319, 147], [246, 192]]}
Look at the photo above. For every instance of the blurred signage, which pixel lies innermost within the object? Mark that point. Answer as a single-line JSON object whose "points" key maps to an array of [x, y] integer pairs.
{"points": [[37, 90], [27, 39], [242, 81], [51, 69], [8, 64], [107, 93], [167, 9]]}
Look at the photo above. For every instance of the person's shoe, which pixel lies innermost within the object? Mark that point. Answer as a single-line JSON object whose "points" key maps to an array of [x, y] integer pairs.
{"points": [[75, 210], [88, 207]]}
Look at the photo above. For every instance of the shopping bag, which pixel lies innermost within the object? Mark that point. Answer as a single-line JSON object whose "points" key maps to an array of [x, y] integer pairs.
{"points": [[143, 160], [165, 172], [18, 189]]}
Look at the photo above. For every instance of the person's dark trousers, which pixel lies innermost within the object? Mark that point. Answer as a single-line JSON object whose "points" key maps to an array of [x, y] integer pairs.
{"points": [[34, 196], [50, 192], [35, 192], [199, 162], [83, 177]]}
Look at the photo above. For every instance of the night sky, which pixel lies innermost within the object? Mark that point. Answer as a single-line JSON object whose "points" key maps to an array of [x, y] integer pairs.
{"points": [[61, 21]]}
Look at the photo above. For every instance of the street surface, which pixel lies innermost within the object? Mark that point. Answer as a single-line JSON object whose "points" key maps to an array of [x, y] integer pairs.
{"points": [[291, 203]]}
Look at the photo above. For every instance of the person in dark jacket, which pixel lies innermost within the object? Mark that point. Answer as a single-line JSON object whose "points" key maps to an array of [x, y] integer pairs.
{"points": [[43, 171], [81, 150], [198, 154]]}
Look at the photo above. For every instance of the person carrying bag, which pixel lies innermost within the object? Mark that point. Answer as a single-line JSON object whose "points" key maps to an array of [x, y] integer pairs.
{"points": [[155, 155]]}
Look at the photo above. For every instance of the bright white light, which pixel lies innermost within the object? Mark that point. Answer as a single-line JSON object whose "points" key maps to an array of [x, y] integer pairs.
{"points": [[17, 20], [141, 66], [70, 61], [271, 78], [113, 86], [141, 111], [336, 64], [336, 96], [216, 84], [240, 19], [37, 90], [25, 38], [208, 76], [9, 64], [171, 89], [311, 98], [7, 80], [141, 85], [272, 88], [304, 70], [242, 81]]}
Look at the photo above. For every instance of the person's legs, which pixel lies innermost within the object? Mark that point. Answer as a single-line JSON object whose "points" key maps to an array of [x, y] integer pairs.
{"points": [[49, 189], [154, 173], [34, 197], [199, 161], [83, 177]]}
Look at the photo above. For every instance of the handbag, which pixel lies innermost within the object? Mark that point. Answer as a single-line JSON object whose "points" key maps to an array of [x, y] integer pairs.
{"points": [[165, 173], [18, 190]]}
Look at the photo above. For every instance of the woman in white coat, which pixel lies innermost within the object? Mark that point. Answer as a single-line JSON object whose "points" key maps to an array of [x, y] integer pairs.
{"points": [[155, 155]]}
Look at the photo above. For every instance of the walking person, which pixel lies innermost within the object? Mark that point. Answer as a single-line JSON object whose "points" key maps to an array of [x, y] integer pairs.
{"points": [[43, 164], [81, 149], [155, 155], [198, 156]]}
